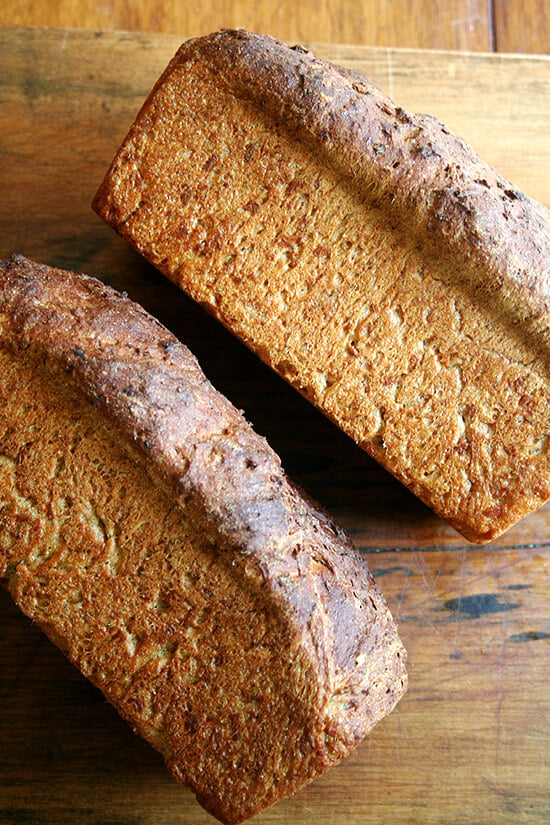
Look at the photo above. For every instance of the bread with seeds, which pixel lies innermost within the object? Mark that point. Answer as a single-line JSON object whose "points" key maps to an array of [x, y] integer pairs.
{"points": [[365, 253], [155, 538]]}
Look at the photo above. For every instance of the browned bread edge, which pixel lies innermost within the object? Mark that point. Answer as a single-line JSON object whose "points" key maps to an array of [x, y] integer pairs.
{"points": [[149, 388], [427, 181]]}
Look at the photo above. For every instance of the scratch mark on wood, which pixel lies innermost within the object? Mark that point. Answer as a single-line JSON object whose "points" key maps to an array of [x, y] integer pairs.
{"points": [[390, 72], [455, 655], [424, 570], [501, 666], [437, 548], [397, 611]]}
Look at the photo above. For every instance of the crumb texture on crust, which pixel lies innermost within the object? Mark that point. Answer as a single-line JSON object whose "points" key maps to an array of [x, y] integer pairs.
{"points": [[154, 537], [365, 253]]}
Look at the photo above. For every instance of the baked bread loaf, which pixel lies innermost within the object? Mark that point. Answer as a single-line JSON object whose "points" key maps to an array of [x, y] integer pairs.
{"points": [[365, 253], [155, 538]]}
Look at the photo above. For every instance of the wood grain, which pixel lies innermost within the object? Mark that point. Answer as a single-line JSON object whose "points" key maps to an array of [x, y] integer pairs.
{"points": [[454, 24], [464, 25], [467, 745], [470, 742], [522, 26]]}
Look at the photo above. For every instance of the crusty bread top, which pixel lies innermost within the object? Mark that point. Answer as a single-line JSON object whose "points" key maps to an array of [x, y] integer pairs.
{"points": [[366, 254], [191, 440], [424, 173]]}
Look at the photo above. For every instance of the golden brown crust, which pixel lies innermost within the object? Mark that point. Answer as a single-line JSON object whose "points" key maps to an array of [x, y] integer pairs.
{"points": [[365, 253], [160, 544]]}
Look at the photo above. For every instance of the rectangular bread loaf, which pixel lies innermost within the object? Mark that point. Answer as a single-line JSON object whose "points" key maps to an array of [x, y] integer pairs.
{"points": [[365, 253], [155, 538]]}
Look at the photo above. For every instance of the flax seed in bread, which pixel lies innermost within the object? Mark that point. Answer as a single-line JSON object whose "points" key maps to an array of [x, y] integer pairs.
{"points": [[365, 253], [154, 536]]}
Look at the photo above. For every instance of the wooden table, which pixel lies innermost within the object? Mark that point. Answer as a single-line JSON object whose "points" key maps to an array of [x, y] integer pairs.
{"points": [[467, 25], [470, 743]]}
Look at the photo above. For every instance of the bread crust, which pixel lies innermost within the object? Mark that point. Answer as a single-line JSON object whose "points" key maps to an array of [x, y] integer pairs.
{"points": [[452, 240], [263, 539]]}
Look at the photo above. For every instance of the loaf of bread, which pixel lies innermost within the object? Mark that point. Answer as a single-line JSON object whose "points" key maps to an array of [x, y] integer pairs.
{"points": [[365, 253], [155, 538]]}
